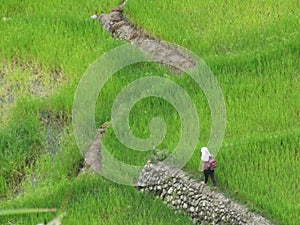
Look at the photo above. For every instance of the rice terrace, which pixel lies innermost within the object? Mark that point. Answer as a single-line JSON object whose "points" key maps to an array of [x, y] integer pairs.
{"points": [[106, 107]]}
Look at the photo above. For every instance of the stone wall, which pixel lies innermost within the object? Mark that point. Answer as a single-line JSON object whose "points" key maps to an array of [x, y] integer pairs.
{"points": [[185, 195]]}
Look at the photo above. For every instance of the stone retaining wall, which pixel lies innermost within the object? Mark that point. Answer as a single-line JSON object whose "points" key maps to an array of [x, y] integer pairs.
{"points": [[185, 195]]}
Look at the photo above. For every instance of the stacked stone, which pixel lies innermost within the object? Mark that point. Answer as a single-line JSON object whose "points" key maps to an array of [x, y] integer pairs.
{"points": [[185, 195]]}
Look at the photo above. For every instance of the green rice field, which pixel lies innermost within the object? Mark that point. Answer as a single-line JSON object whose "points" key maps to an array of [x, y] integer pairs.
{"points": [[252, 48]]}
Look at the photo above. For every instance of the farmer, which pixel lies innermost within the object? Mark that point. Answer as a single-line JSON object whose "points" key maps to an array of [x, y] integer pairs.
{"points": [[208, 166]]}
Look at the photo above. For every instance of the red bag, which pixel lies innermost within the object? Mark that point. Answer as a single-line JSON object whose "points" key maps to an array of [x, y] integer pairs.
{"points": [[212, 164]]}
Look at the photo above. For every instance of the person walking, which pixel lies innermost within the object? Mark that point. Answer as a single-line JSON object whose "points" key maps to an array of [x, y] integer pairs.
{"points": [[208, 166]]}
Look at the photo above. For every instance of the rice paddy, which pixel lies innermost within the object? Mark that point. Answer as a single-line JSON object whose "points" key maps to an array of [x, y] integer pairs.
{"points": [[252, 48]]}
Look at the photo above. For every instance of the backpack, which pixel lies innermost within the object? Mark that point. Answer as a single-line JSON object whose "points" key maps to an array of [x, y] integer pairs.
{"points": [[212, 164]]}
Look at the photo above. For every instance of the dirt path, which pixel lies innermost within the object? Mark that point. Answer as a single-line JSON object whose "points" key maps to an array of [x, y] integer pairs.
{"points": [[92, 156], [119, 27]]}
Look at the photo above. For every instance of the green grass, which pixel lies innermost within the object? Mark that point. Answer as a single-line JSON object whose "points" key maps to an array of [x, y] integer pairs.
{"points": [[93, 200], [46, 48], [219, 28], [263, 172], [252, 48]]}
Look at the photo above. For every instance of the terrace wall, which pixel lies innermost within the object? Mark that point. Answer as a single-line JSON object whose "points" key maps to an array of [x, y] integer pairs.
{"points": [[186, 195]]}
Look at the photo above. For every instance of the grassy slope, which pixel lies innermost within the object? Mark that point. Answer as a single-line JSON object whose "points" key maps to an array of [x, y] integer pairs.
{"points": [[252, 63]]}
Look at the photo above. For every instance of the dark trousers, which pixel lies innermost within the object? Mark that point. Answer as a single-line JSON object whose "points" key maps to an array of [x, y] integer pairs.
{"points": [[210, 173]]}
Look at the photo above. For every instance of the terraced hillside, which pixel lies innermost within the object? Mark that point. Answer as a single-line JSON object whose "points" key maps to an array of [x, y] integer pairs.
{"points": [[251, 47]]}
